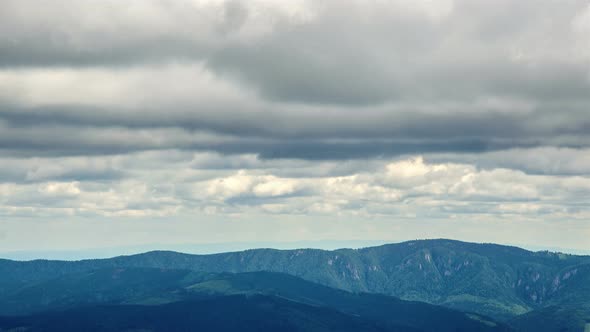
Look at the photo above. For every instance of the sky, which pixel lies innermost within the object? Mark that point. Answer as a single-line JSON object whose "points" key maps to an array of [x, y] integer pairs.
{"points": [[168, 122]]}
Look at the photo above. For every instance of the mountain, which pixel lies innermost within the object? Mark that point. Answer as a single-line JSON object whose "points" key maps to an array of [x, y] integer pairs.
{"points": [[159, 287], [493, 280]]}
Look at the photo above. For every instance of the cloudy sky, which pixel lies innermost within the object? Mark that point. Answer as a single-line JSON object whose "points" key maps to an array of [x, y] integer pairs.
{"points": [[212, 121]]}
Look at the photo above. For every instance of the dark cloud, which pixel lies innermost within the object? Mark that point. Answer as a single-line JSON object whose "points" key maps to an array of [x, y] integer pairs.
{"points": [[298, 80], [332, 134]]}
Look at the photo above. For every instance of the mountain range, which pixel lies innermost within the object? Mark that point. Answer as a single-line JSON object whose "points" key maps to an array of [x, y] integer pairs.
{"points": [[428, 285]]}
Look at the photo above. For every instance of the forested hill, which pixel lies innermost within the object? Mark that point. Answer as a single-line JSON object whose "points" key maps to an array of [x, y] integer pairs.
{"points": [[499, 281]]}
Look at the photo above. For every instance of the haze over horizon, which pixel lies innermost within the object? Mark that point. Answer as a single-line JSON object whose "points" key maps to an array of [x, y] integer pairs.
{"points": [[218, 248], [202, 122]]}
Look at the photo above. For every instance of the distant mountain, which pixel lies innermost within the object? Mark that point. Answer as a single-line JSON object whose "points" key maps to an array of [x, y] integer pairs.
{"points": [[493, 280], [144, 286]]}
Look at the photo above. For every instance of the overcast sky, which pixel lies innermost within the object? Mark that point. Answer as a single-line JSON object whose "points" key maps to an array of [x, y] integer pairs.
{"points": [[125, 123]]}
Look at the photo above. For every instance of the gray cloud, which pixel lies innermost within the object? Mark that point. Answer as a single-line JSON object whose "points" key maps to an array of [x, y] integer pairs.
{"points": [[211, 110], [540, 161], [300, 80], [375, 52], [327, 135]]}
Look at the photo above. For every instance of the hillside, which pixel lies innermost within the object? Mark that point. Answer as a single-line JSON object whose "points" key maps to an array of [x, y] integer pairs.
{"points": [[224, 314], [555, 318], [494, 280], [144, 286]]}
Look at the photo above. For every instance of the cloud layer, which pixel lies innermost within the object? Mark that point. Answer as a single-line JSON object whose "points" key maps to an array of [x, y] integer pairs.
{"points": [[212, 109]]}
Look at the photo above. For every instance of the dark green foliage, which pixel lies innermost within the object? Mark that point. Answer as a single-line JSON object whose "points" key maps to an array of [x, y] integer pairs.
{"points": [[228, 313]]}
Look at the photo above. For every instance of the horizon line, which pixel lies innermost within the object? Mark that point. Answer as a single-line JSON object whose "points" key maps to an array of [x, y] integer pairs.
{"points": [[209, 249]]}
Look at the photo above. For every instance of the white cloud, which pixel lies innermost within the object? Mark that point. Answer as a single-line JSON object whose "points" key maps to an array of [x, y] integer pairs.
{"points": [[60, 189], [148, 88], [403, 187], [400, 188], [234, 185], [273, 186], [243, 184]]}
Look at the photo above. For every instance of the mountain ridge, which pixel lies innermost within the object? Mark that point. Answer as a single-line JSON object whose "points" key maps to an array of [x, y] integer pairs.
{"points": [[560, 251], [490, 279]]}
